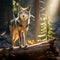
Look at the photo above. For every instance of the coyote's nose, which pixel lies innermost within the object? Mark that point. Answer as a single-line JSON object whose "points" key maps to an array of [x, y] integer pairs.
{"points": [[23, 15]]}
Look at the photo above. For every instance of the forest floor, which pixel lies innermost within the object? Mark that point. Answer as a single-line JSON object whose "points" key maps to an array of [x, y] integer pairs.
{"points": [[48, 50], [41, 51]]}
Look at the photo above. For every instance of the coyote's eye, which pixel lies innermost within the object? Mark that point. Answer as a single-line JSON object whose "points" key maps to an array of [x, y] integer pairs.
{"points": [[20, 12], [26, 12]]}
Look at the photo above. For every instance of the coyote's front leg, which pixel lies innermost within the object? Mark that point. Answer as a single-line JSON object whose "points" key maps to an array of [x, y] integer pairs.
{"points": [[20, 39], [24, 35]]}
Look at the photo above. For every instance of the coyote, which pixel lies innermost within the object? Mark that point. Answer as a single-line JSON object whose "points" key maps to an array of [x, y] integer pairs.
{"points": [[20, 25]]}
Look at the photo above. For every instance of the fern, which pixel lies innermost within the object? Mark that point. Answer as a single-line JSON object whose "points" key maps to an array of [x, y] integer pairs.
{"points": [[46, 29]]}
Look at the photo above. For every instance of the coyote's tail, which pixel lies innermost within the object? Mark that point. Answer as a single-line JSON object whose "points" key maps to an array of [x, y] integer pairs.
{"points": [[3, 33]]}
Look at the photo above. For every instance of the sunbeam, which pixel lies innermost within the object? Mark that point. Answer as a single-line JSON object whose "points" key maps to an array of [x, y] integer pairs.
{"points": [[52, 7]]}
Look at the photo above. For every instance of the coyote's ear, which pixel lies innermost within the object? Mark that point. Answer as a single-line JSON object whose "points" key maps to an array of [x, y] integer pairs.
{"points": [[28, 8], [19, 8]]}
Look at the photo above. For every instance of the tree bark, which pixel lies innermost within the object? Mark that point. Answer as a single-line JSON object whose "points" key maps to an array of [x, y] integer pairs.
{"points": [[37, 18]]}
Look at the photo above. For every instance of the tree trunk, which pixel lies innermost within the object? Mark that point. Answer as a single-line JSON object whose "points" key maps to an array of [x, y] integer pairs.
{"points": [[37, 18]]}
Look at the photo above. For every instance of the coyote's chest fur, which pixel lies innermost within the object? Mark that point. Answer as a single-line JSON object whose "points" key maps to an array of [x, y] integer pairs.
{"points": [[23, 24]]}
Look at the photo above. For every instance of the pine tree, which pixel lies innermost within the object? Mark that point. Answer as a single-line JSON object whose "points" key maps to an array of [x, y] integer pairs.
{"points": [[15, 8], [46, 29]]}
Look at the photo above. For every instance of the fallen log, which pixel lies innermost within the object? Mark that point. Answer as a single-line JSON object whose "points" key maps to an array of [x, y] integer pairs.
{"points": [[39, 51]]}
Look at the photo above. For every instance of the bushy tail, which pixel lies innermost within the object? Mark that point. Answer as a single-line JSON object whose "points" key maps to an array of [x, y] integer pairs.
{"points": [[3, 33]]}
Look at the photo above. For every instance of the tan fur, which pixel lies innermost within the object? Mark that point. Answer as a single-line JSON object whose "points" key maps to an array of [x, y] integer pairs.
{"points": [[14, 34]]}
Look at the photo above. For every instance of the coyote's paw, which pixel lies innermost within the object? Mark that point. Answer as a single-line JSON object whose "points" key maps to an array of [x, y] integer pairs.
{"points": [[26, 46]]}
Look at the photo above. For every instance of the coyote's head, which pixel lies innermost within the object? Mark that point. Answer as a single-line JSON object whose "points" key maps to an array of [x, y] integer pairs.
{"points": [[24, 13]]}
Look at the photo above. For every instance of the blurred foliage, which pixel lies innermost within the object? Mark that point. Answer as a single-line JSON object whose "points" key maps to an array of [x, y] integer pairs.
{"points": [[15, 5], [46, 29], [31, 42]]}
